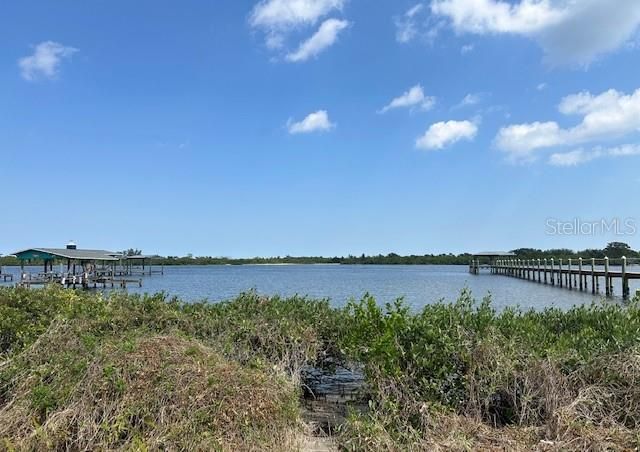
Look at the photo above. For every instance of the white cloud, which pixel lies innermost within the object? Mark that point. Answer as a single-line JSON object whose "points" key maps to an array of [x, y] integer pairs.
{"points": [[442, 134], [416, 23], [572, 158], [496, 16], [324, 38], [287, 14], [469, 100], [541, 86], [606, 116], [414, 98], [314, 122], [279, 18], [557, 25], [45, 61], [467, 48], [580, 156], [406, 25]]}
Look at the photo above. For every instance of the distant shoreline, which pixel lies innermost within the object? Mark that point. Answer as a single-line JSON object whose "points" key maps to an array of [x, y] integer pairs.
{"points": [[613, 250]]}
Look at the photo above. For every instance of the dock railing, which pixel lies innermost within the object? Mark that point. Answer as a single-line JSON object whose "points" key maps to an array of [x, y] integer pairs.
{"points": [[582, 274]]}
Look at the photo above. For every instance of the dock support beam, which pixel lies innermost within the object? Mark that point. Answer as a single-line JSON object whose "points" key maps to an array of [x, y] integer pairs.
{"points": [[580, 273], [625, 281], [560, 272], [607, 285]]}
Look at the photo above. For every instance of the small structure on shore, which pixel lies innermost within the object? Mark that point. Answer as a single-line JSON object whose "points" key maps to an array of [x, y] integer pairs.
{"points": [[77, 267], [487, 259]]}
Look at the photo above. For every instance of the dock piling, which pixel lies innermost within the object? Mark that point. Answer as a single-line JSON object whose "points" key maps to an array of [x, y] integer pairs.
{"points": [[580, 272], [607, 285], [625, 281], [560, 272]]}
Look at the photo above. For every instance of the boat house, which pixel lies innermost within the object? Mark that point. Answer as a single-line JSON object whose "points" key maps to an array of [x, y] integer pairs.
{"points": [[71, 266], [76, 260]]}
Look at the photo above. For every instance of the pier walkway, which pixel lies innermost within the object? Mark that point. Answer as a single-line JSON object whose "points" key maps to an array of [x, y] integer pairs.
{"points": [[592, 274]]}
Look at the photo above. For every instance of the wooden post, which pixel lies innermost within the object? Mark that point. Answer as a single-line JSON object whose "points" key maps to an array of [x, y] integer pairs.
{"points": [[553, 276], [580, 271], [539, 275], [625, 281], [560, 272], [569, 285], [545, 270], [594, 283], [606, 277]]}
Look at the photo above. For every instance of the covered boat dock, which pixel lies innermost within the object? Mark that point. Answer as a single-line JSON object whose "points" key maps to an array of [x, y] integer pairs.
{"points": [[73, 267]]}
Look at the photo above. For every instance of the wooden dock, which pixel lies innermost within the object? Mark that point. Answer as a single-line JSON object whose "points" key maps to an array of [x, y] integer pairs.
{"points": [[592, 274], [4, 277], [84, 281], [85, 268]]}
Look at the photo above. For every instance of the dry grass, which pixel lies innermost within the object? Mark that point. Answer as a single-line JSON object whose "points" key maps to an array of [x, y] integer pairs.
{"points": [[596, 408], [157, 392]]}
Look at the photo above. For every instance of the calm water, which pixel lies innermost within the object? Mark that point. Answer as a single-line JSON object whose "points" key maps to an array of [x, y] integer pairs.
{"points": [[418, 284]]}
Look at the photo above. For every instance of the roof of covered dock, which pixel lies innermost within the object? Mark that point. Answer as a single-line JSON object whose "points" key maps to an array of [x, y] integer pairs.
{"points": [[65, 253]]}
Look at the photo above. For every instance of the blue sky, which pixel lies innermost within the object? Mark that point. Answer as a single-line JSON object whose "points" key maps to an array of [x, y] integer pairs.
{"points": [[317, 127]]}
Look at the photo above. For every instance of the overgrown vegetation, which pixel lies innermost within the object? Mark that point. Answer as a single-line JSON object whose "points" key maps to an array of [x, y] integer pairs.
{"points": [[80, 371], [86, 371], [463, 376]]}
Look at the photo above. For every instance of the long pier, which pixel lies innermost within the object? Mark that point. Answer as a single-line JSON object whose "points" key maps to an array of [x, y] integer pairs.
{"points": [[585, 275]]}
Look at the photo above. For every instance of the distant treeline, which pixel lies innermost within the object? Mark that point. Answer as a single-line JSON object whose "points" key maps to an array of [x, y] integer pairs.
{"points": [[389, 259], [613, 250]]}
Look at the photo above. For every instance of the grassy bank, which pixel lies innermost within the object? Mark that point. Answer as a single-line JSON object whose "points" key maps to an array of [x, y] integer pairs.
{"points": [[82, 371]]}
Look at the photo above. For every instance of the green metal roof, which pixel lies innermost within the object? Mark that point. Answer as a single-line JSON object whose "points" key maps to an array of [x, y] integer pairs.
{"points": [[63, 253]]}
